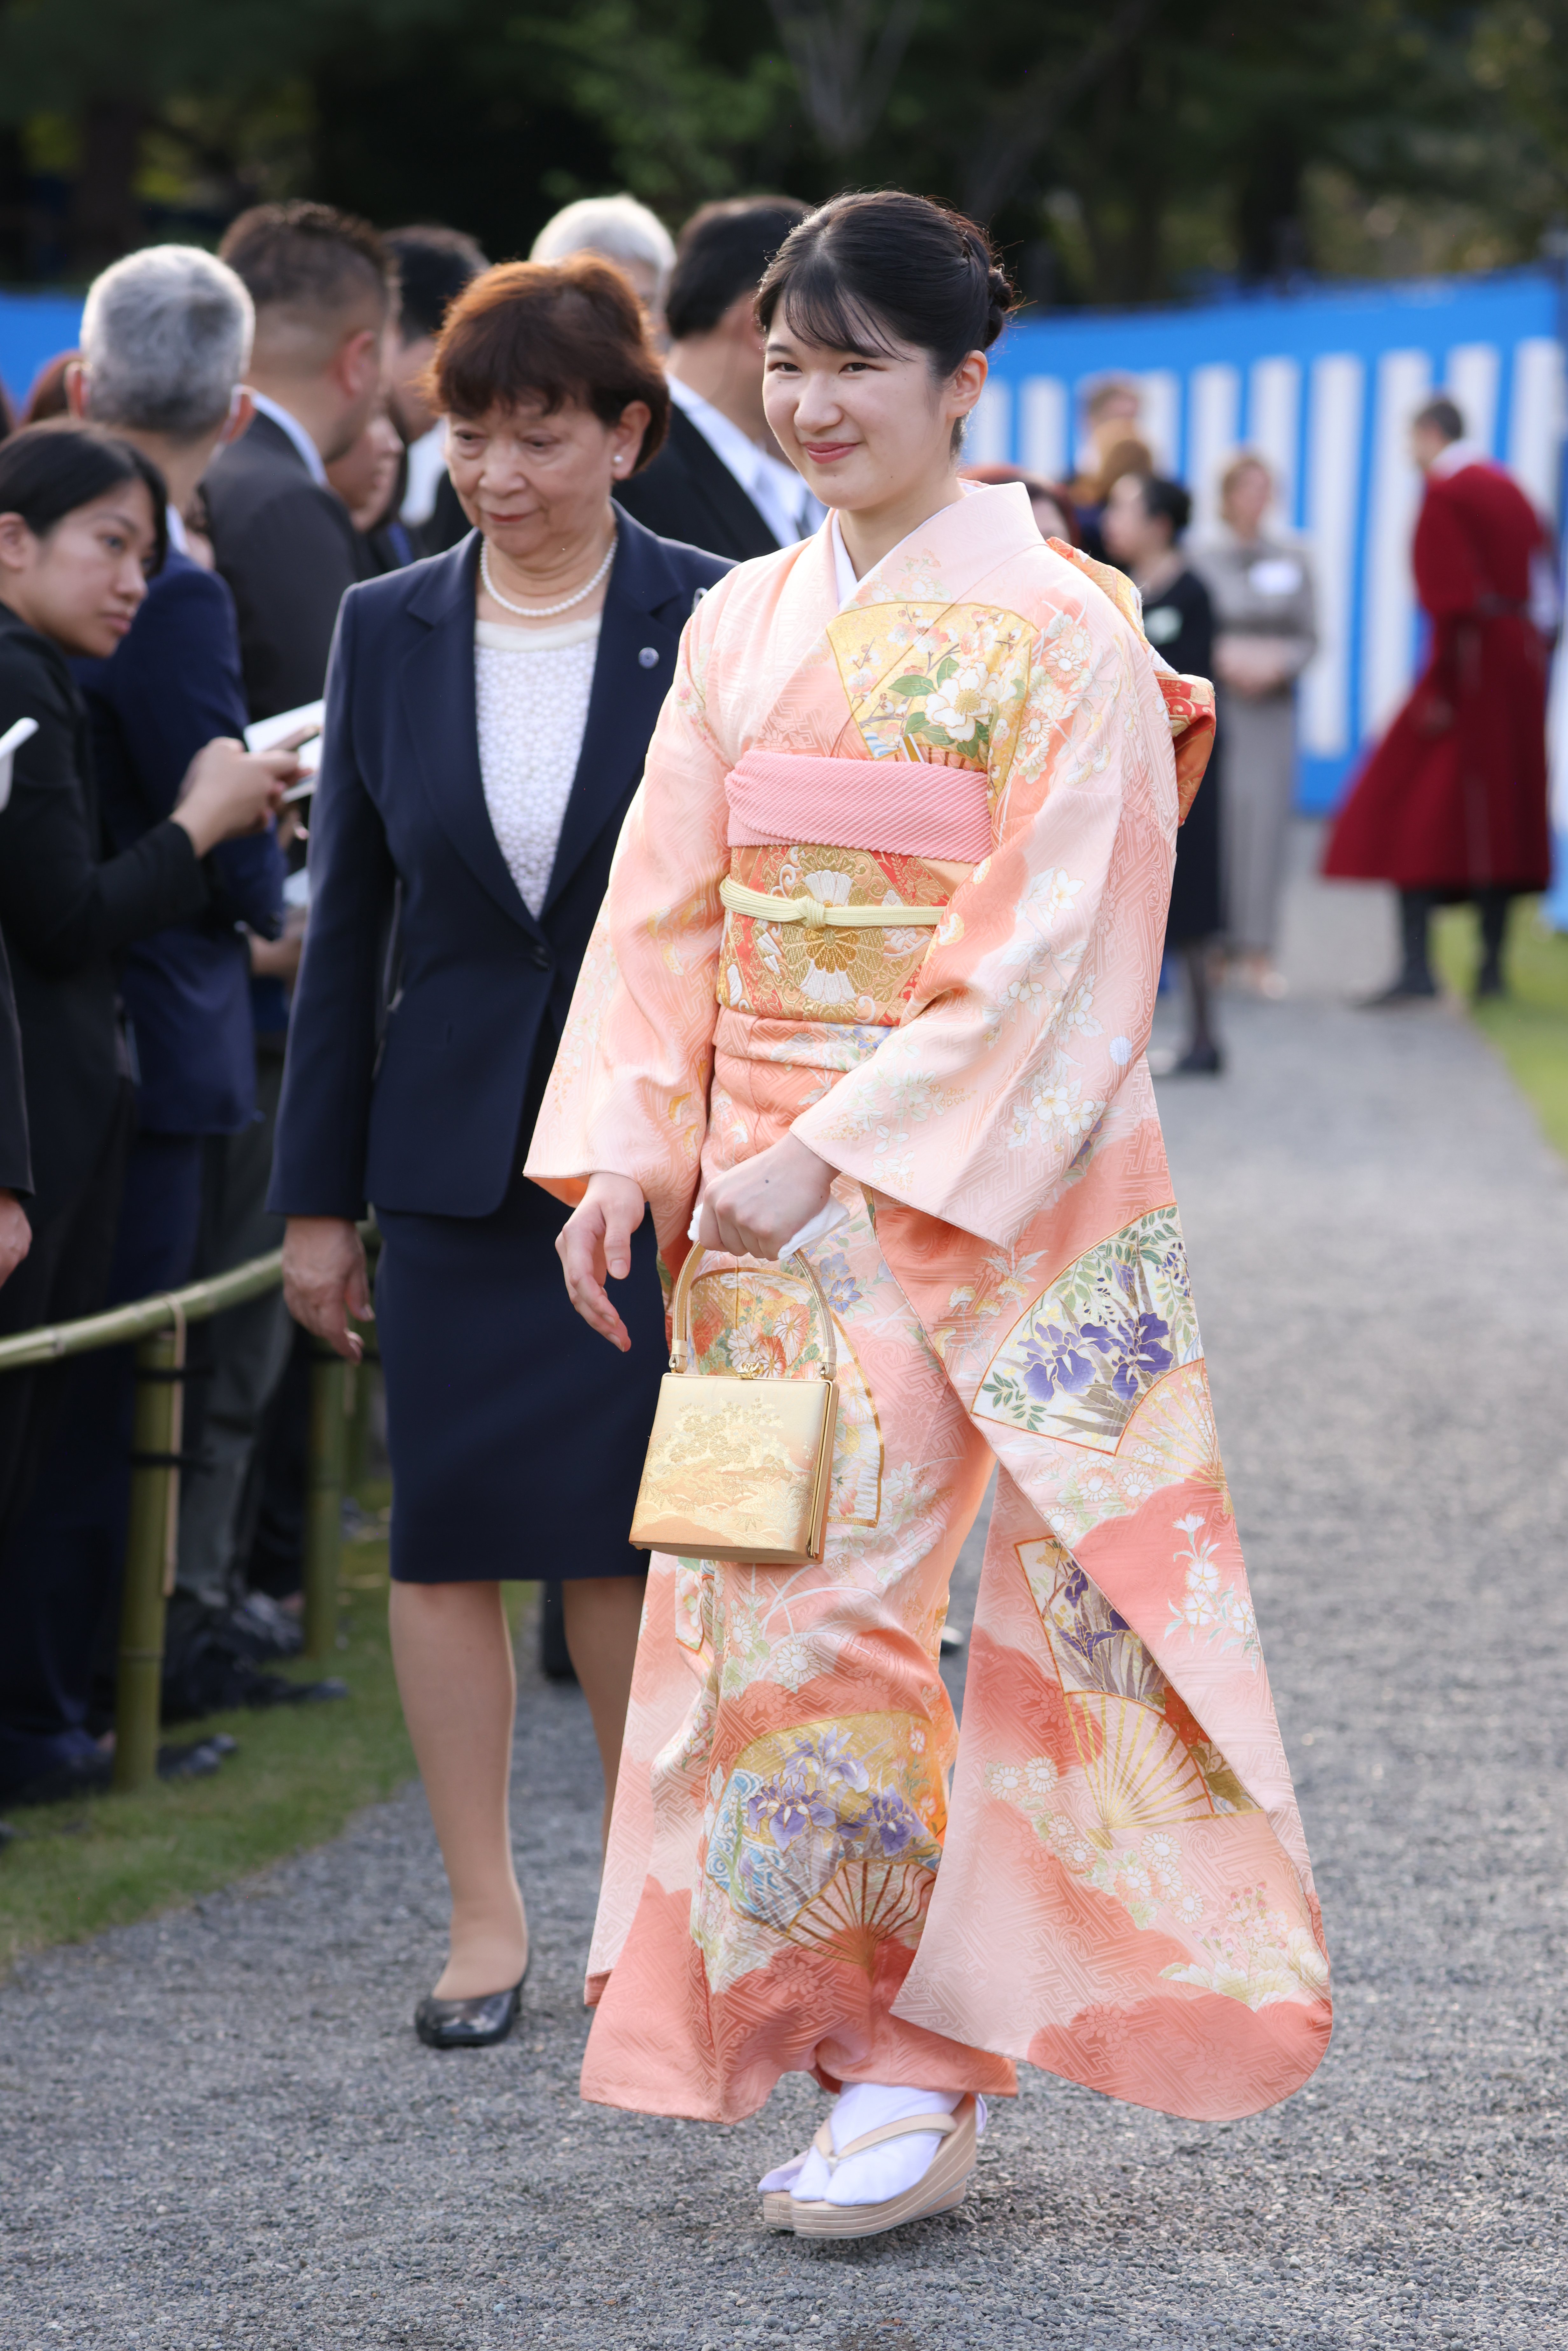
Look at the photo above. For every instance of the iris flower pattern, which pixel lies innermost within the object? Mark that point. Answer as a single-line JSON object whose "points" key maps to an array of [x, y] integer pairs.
{"points": [[1089, 1351], [803, 1811]]}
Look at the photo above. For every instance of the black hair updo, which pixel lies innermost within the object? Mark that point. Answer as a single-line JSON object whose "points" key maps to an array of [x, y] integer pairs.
{"points": [[1165, 501], [864, 272]]}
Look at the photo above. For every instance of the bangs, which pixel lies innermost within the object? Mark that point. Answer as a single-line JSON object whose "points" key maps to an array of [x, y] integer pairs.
{"points": [[817, 306], [551, 335]]}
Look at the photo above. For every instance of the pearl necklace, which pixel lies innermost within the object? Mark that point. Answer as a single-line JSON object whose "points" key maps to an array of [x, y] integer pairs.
{"points": [[542, 611]]}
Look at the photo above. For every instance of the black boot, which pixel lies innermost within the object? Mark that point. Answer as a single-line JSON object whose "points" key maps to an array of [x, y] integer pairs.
{"points": [[1492, 905], [1414, 984]]}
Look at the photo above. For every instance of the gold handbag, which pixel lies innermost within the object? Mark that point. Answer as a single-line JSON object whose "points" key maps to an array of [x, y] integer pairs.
{"points": [[738, 1466]]}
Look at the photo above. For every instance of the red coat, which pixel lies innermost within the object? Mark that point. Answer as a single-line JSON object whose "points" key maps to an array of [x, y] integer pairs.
{"points": [[1453, 800]]}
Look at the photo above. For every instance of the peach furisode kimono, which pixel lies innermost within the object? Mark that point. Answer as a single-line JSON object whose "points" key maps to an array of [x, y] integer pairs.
{"points": [[1116, 1886]]}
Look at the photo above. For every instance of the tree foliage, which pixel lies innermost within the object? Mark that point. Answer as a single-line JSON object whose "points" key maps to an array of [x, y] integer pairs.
{"points": [[1123, 149]]}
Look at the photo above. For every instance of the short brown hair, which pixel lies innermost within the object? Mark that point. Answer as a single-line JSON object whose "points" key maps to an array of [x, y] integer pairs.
{"points": [[555, 333], [308, 257], [1111, 387], [1129, 457]]}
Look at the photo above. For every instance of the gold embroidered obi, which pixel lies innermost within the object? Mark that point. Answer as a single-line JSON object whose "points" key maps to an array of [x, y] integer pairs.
{"points": [[861, 857]]}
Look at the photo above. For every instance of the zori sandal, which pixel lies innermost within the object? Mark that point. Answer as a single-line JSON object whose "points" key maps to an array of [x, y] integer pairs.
{"points": [[940, 2185], [778, 2204]]}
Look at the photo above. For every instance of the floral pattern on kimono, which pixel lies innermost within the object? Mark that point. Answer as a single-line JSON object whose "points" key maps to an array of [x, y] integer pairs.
{"points": [[1114, 1885]]}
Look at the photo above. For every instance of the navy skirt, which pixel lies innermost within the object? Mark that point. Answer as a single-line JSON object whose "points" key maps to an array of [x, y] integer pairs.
{"points": [[516, 1435]]}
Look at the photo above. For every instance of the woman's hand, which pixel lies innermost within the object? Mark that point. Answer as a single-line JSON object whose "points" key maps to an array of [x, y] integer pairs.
{"points": [[754, 1209], [1253, 666], [596, 1240], [325, 1281], [229, 791]]}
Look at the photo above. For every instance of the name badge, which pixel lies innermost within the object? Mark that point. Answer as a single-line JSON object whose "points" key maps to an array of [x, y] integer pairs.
{"points": [[1162, 625], [1277, 575]]}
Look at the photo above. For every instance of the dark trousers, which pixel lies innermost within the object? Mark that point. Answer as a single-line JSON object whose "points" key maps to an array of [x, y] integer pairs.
{"points": [[1415, 910], [61, 1568], [242, 1355], [64, 1275]]}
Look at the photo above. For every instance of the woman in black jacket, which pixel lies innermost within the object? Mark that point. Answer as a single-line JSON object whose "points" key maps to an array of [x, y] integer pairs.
{"points": [[489, 714], [82, 522], [1143, 524]]}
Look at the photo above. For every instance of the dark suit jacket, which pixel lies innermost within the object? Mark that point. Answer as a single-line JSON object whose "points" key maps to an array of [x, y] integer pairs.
{"points": [[689, 493], [286, 548], [172, 685], [65, 910], [16, 1159], [427, 1120]]}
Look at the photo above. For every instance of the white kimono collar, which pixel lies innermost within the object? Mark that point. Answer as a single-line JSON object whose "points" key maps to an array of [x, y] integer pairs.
{"points": [[1014, 514]]}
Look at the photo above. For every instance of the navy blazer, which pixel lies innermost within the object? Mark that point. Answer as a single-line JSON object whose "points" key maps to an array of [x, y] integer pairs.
{"points": [[170, 686], [423, 1114]]}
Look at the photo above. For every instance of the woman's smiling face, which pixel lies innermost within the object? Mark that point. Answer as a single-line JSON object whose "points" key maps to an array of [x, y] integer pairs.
{"points": [[862, 427]]}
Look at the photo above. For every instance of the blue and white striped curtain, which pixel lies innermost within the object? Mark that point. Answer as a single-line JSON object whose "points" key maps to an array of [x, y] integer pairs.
{"points": [[1323, 386]]}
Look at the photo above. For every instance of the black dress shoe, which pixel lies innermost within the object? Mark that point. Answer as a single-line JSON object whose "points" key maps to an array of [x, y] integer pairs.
{"points": [[470, 2023], [1404, 990], [1199, 1061]]}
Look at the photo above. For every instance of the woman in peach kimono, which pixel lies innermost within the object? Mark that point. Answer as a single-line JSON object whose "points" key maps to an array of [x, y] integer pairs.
{"points": [[883, 937]]}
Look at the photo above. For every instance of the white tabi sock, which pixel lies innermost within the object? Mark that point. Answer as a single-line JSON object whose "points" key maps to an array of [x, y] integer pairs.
{"points": [[882, 2172]]}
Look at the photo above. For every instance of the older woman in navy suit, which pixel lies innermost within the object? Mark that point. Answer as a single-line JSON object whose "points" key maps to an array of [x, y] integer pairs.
{"points": [[487, 714]]}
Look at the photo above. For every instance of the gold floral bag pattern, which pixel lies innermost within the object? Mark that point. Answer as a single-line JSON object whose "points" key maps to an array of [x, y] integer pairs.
{"points": [[739, 1466]]}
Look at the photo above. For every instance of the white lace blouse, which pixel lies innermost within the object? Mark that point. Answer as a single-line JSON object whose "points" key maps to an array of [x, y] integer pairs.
{"points": [[532, 686]]}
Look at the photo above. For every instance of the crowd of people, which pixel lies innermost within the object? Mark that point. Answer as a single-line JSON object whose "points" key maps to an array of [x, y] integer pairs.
{"points": [[685, 833], [278, 392]]}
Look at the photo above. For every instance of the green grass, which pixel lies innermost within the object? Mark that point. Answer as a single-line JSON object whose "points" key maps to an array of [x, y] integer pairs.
{"points": [[1528, 1027], [300, 1772]]}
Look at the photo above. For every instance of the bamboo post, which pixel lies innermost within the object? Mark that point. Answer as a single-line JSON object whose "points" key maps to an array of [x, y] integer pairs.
{"points": [[150, 1551], [360, 1409], [324, 1502]]}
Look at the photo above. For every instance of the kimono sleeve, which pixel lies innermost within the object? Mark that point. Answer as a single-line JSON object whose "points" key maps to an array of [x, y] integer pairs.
{"points": [[1023, 1047], [628, 1094]]}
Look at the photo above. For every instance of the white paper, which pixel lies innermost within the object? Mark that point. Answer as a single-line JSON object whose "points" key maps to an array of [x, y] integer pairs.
{"points": [[266, 734], [10, 743], [826, 1220]]}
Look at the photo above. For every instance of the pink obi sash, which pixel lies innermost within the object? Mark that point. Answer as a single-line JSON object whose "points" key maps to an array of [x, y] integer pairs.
{"points": [[911, 807]]}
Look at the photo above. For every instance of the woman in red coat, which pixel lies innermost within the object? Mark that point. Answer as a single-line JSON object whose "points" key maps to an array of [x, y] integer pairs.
{"points": [[1452, 804]]}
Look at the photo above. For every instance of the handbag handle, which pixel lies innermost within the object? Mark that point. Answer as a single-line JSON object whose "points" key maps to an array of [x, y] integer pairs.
{"points": [[681, 1311]]}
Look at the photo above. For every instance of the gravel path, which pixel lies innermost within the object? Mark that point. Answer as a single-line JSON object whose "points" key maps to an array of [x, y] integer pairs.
{"points": [[218, 2130]]}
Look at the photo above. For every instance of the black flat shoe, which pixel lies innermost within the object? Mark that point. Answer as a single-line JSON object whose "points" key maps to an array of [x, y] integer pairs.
{"points": [[470, 2023], [1404, 991], [1199, 1061]]}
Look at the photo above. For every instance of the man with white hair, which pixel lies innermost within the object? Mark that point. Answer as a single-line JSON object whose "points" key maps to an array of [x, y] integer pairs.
{"points": [[166, 339], [623, 231]]}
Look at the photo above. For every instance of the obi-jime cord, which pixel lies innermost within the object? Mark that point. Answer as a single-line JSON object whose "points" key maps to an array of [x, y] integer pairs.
{"points": [[895, 883]]}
